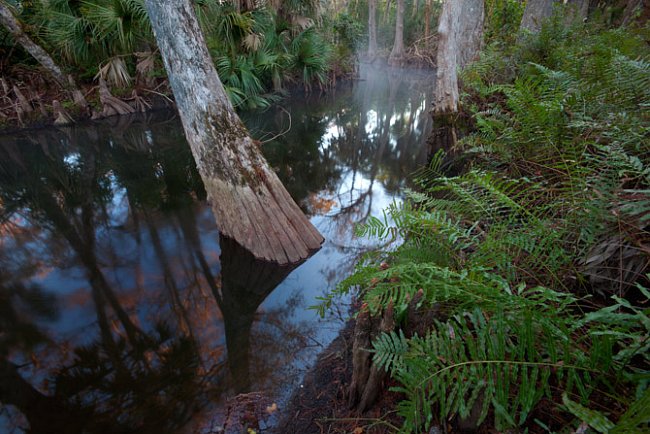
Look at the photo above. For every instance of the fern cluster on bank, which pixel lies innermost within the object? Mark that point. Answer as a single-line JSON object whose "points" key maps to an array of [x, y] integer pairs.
{"points": [[535, 256]]}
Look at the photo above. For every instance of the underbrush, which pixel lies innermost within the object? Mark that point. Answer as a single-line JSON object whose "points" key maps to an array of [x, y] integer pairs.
{"points": [[536, 257], [258, 53]]}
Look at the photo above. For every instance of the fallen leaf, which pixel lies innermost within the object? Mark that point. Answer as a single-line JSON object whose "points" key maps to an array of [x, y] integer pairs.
{"points": [[272, 408]]}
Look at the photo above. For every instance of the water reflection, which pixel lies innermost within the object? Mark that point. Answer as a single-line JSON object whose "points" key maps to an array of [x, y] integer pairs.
{"points": [[119, 304]]}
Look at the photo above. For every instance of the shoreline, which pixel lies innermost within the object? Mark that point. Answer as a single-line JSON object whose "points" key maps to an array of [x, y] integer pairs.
{"points": [[42, 113], [320, 404]]}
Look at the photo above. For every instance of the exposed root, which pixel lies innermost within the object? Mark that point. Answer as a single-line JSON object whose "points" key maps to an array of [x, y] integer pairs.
{"points": [[61, 115], [111, 105], [22, 100]]}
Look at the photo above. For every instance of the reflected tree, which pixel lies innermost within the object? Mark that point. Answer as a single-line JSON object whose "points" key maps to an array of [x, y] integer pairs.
{"points": [[245, 284], [124, 366]]}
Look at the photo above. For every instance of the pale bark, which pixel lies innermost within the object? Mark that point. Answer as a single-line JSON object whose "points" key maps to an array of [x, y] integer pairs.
{"points": [[460, 34], [13, 26], [249, 201], [372, 28], [537, 11], [397, 54]]}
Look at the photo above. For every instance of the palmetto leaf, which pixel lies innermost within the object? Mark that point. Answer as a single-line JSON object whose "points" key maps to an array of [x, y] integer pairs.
{"points": [[115, 72], [252, 42]]}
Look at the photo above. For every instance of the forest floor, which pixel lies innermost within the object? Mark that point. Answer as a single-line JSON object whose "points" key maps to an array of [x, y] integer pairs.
{"points": [[320, 405]]}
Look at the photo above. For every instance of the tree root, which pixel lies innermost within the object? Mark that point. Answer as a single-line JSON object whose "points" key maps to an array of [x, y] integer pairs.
{"points": [[111, 105], [61, 115], [367, 379]]}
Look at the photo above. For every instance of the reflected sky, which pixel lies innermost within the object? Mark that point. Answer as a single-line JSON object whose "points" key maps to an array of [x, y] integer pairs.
{"points": [[119, 303]]}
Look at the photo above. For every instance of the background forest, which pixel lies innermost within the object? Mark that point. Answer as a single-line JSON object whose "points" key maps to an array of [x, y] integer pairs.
{"points": [[261, 49]]}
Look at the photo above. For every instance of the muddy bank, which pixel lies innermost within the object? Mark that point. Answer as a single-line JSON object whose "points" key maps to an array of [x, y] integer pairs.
{"points": [[320, 405]]}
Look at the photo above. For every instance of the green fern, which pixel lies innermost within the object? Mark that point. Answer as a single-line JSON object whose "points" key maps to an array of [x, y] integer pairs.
{"points": [[470, 360], [555, 199]]}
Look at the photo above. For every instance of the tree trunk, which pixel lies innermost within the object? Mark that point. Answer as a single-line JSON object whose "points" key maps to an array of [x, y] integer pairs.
{"points": [[387, 11], [372, 29], [632, 8], [537, 11], [579, 9], [397, 54], [13, 26], [249, 201], [460, 34], [427, 24]]}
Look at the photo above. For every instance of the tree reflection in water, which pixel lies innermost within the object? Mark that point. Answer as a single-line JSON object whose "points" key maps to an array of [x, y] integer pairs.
{"points": [[119, 309]]}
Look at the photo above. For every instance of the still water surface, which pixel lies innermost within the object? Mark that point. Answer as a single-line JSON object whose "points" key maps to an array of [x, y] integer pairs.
{"points": [[121, 311]]}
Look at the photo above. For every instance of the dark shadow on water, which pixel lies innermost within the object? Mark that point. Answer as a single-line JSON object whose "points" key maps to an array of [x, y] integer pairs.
{"points": [[245, 283], [446, 132]]}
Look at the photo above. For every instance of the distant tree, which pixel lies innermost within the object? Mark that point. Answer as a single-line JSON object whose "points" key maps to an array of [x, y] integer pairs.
{"points": [[460, 34], [397, 53], [249, 201], [427, 26], [633, 9], [537, 11], [372, 28]]}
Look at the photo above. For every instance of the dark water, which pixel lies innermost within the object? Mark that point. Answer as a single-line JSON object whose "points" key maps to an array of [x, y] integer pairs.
{"points": [[119, 309]]}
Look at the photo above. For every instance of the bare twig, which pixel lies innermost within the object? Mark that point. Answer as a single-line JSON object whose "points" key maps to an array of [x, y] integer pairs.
{"points": [[283, 132]]}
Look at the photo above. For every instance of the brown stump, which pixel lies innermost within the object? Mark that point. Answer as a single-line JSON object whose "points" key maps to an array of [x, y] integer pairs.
{"points": [[61, 115], [368, 379]]}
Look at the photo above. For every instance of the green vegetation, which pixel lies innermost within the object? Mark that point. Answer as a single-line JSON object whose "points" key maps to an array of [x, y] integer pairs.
{"points": [[534, 258], [257, 52]]}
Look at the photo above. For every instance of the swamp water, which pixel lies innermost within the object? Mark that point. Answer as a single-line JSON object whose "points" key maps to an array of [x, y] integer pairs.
{"points": [[120, 311]]}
